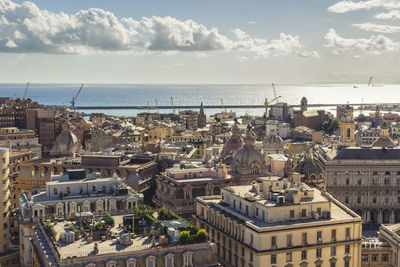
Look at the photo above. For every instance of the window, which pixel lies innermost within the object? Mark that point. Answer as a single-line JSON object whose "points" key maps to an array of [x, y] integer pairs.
{"points": [[387, 181], [289, 256], [346, 200], [364, 257], [333, 264], [289, 239], [303, 213], [374, 257], [385, 257], [111, 264], [169, 260], [348, 232], [334, 234], [187, 259], [319, 211], [304, 238], [3, 160], [304, 255], [347, 249], [68, 189], [273, 241], [319, 236], [358, 199], [318, 253], [347, 181], [292, 214], [273, 259], [346, 264], [93, 188], [333, 251], [256, 211], [55, 191]]}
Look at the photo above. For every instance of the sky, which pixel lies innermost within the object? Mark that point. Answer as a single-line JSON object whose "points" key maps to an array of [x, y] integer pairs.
{"points": [[200, 41]]}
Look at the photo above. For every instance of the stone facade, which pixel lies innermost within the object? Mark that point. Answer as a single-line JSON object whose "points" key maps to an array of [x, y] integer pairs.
{"points": [[367, 180]]}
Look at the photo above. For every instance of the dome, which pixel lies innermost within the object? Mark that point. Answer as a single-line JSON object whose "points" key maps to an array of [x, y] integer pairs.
{"points": [[234, 142], [312, 169], [273, 143], [248, 160], [66, 143]]}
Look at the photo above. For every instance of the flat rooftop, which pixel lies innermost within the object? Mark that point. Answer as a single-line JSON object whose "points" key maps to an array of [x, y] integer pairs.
{"points": [[82, 248]]}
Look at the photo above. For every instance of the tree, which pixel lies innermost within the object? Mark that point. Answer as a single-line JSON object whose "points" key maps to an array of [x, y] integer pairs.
{"points": [[108, 219]]}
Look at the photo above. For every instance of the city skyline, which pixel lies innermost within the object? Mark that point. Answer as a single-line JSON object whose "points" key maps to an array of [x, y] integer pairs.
{"points": [[200, 42]]}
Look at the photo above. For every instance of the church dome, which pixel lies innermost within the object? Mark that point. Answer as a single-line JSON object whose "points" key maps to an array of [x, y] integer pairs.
{"points": [[66, 143], [234, 142], [248, 160], [312, 169], [273, 143]]}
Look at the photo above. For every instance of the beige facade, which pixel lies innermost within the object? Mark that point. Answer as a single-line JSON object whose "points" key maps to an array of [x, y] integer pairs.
{"points": [[278, 223], [376, 253], [5, 196], [367, 180]]}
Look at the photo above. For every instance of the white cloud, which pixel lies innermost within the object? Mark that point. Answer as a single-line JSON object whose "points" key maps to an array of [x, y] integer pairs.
{"points": [[168, 33], [242, 58], [376, 44], [348, 5], [285, 45], [251, 22], [392, 14], [25, 28], [371, 27]]}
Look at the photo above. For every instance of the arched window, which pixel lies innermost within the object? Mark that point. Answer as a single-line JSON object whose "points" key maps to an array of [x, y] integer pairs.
{"points": [[348, 133]]}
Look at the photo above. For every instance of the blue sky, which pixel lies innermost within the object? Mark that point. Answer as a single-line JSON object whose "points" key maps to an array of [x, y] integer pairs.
{"points": [[289, 41]]}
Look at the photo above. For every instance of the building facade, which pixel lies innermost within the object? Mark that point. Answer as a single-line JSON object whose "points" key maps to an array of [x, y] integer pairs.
{"points": [[367, 180], [278, 223]]}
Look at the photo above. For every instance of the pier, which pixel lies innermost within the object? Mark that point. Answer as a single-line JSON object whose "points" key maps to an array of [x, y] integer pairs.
{"points": [[152, 107]]}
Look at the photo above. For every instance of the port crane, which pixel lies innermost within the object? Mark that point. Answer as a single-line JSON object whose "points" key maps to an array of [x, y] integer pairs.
{"points": [[276, 98], [73, 101], [26, 90], [172, 104], [156, 101], [225, 113], [370, 81]]}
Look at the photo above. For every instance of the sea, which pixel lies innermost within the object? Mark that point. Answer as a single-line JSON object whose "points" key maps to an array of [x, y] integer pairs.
{"points": [[194, 94]]}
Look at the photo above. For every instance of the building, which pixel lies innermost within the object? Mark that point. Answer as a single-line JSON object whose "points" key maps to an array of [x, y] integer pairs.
{"points": [[390, 235], [312, 119], [112, 246], [189, 118], [138, 172], [376, 253], [42, 122], [275, 222], [20, 140], [273, 144], [5, 198], [281, 128], [178, 187], [71, 194], [279, 111], [367, 180], [367, 137]]}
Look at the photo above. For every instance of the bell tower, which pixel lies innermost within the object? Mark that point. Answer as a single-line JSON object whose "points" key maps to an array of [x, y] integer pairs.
{"points": [[347, 127]]}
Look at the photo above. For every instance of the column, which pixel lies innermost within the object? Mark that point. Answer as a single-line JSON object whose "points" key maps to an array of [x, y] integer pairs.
{"points": [[368, 219], [391, 221], [380, 216]]}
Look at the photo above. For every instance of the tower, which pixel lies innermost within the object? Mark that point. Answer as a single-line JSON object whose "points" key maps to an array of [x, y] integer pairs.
{"points": [[303, 104], [347, 127], [202, 118]]}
